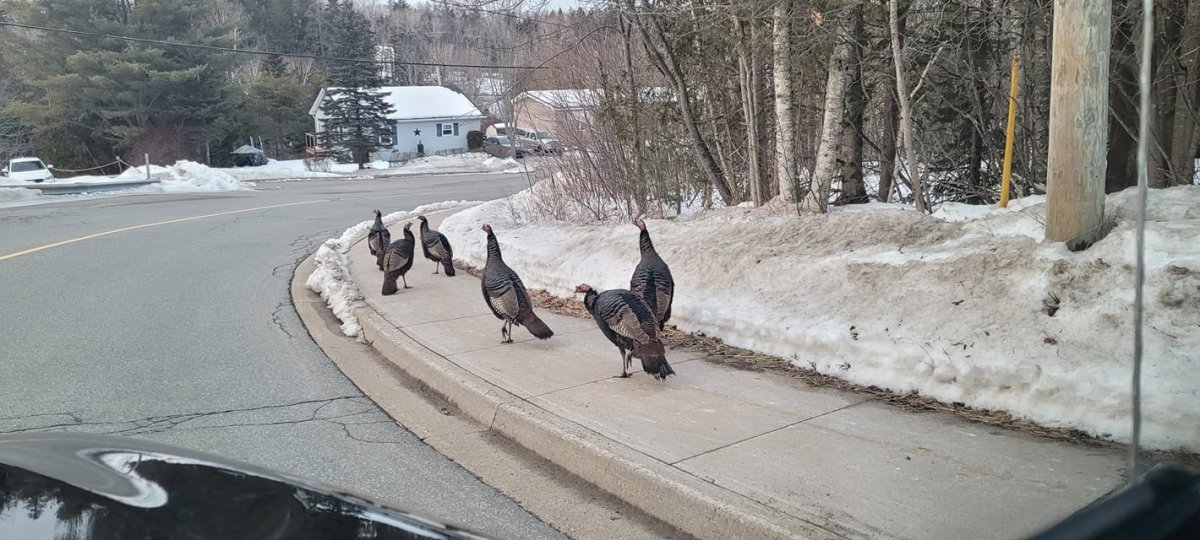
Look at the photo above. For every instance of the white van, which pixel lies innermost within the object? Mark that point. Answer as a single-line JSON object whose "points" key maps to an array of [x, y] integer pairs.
{"points": [[27, 169]]}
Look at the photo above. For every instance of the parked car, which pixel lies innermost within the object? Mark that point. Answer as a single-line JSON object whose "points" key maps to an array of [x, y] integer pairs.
{"points": [[509, 147], [27, 169], [548, 143]]}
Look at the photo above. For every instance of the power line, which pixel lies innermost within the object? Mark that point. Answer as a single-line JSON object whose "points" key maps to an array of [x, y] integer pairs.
{"points": [[257, 52]]}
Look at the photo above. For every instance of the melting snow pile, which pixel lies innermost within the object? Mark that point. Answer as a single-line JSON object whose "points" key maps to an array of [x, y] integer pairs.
{"points": [[966, 306], [186, 176], [472, 162], [17, 196], [331, 277], [286, 169]]}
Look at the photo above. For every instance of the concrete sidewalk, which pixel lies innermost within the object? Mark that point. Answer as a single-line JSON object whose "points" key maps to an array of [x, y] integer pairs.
{"points": [[721, 452]]}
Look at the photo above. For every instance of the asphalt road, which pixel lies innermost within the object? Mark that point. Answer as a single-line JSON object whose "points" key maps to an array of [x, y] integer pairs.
{"points": [[184, 333]]}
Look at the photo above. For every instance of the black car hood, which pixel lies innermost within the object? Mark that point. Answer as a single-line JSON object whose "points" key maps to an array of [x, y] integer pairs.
{"points": [[64, 485]]}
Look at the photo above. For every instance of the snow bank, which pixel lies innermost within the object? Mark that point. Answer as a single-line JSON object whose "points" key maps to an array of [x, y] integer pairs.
{"points": [[952, 308], [278, 170], [471, 162], [18, 196], [331, 277], [189, 176]]}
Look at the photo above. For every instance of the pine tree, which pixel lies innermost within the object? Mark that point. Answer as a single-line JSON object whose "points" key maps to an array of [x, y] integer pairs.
{"points": [[356, 113]]}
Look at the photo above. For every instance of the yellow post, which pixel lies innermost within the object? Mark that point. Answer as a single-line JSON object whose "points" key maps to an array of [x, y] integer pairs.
{"points": [[1006, 178]]}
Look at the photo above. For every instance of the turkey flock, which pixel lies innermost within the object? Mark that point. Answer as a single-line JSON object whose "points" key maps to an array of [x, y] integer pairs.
{"points": [[632, 319]]}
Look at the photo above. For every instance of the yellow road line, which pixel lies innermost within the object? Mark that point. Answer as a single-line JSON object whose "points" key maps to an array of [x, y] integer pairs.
{"points": [[145, 225]]}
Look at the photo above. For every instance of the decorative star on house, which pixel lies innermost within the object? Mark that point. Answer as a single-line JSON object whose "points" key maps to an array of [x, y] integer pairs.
{"points": [[417, 132]]}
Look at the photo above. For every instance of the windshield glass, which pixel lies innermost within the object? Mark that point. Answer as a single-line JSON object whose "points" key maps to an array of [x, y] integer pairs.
{"points": [[26, 166]]}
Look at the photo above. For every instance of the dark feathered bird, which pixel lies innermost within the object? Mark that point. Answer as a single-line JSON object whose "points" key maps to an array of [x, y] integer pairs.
{"points": [[652, 279], [378, 239], [436, 247], [397, 260], [506, 296], [628, 324]]}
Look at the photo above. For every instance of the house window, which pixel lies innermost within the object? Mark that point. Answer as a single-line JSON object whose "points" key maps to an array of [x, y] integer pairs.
{"points": [[450, 129], [385, 139]]}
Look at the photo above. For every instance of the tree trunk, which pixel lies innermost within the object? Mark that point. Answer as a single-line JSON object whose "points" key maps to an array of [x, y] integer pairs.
{"points": [[1185, 131], [748, 89], [906, 126], [1078, 97], [758, 85], [905, 109], [853, 190], [786, 166], [887, 155], [635, 104], [817, 198]]}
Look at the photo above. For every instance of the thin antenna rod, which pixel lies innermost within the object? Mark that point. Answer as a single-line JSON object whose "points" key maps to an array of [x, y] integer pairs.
{"points": [[1139, 314]]}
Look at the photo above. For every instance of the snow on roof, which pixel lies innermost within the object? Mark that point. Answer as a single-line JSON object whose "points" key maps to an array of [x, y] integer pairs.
{"points": [[417, 102], [566, 99], [247, 149], [586, 98]]}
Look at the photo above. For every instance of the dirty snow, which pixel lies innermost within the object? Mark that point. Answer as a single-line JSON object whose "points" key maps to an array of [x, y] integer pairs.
{"points": [[953, 308], [18, 196], [189, 176], [285, 169], [471, 162], [331, 277]]}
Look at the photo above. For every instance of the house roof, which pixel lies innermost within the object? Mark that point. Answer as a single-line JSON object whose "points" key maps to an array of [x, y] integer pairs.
{"points": [[586, 98], [416, 102], [566, 99], [247, 149]]}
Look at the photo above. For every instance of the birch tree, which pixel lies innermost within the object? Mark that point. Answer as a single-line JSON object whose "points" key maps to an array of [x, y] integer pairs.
{"points": [[826, 168], [906, 127], [786, 169]]}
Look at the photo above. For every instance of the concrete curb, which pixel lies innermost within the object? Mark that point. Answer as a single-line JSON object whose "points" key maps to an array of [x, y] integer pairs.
{"points": [[686, 502], [682, 500]]}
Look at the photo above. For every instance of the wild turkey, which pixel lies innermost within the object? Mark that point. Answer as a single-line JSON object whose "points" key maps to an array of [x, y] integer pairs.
{"points": [[506, 296], [652, 279], [397, 260], [436, 247], [627, 322], [378, 239]]}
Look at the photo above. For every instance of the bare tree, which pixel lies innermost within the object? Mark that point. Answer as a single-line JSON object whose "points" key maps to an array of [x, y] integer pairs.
{"points": [[826, 168], [906, 126], [662, 54], [750, 85], [786, 166], [853, 191]]}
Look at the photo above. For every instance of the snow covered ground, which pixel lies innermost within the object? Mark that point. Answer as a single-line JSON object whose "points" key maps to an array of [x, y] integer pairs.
{"points": [[471, 162], [953, 306], [287, 169], [331, 277]]}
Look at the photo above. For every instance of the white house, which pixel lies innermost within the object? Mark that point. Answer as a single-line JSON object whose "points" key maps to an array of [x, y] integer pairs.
{"points": [[435, 117]]}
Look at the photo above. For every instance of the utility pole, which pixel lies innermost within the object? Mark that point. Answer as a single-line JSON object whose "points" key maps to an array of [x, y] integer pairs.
{"points": [[1078, 121]]}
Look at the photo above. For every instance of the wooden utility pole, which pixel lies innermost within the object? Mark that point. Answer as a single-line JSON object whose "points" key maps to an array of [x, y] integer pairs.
{"points": [[1078, 121]]}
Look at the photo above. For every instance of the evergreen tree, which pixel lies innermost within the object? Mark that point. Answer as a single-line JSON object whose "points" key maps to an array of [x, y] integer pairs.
{"points": [[356, 113], [93, 99], [275, 106]]}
